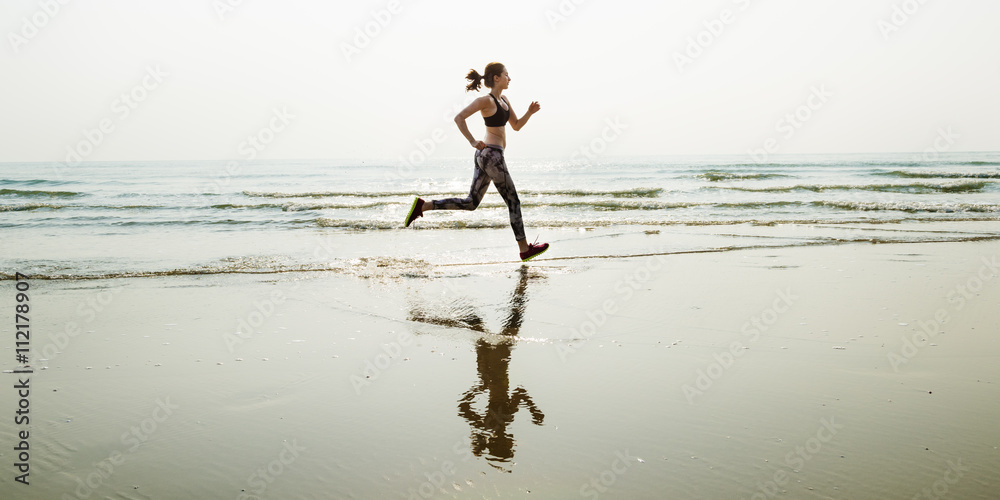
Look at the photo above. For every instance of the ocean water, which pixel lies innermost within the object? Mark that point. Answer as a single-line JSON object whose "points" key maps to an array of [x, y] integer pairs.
{"points": [[107, 220]]}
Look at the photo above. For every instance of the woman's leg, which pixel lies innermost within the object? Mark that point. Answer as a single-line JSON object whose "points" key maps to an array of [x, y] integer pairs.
{"points": [[480, 183], [495, 166]]}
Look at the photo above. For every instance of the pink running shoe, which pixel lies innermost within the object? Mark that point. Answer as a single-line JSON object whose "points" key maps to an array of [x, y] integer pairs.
{"points": [[533, 251], [416, 210]]}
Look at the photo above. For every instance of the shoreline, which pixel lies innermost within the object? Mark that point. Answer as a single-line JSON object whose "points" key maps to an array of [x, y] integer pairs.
{"points": [[428, 251]]}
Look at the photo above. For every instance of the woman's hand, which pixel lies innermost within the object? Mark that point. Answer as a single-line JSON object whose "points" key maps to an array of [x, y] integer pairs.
{"points": [[479, 145], [534, 107]]}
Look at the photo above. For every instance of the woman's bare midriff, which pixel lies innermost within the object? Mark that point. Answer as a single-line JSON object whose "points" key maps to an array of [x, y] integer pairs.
{"points": [[496, 136]]}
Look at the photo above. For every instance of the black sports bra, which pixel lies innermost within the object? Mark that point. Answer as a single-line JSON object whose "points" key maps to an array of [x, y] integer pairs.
{"points": [[499, 118]]}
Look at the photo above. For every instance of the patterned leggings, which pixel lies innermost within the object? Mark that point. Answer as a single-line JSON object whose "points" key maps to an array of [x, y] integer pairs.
{"points": [[489, 167]]}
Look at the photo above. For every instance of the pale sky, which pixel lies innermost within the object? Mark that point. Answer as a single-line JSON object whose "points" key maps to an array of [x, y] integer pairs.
{"points": [[861, 75]]}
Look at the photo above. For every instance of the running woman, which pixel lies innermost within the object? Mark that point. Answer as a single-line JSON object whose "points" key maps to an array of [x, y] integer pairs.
{"points": [[489, 162]]}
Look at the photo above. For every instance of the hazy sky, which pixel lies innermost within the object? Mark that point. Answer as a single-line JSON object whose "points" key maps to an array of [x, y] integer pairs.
{"points": [[192, 79]]}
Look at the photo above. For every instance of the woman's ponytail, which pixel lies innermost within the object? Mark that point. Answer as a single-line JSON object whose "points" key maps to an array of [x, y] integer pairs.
{"points": [[475, 80]]}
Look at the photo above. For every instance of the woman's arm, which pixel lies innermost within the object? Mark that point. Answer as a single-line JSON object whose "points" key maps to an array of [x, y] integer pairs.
{"points": [[515, 122], [476, 105]]}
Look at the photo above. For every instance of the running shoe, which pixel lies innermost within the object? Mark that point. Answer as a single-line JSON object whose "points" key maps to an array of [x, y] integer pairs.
{"points": [[416, 210], [533, 251]]}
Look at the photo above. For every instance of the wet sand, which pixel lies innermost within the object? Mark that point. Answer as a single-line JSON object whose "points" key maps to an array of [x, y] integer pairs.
{"points": [[807, 372]]}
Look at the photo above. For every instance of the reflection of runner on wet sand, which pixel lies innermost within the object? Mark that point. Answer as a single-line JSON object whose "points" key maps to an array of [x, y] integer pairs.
{"points": [[489, 426]]}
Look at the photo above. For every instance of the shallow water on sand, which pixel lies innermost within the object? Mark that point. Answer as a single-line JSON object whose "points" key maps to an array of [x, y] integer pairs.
{"points": [[593, 378]]}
